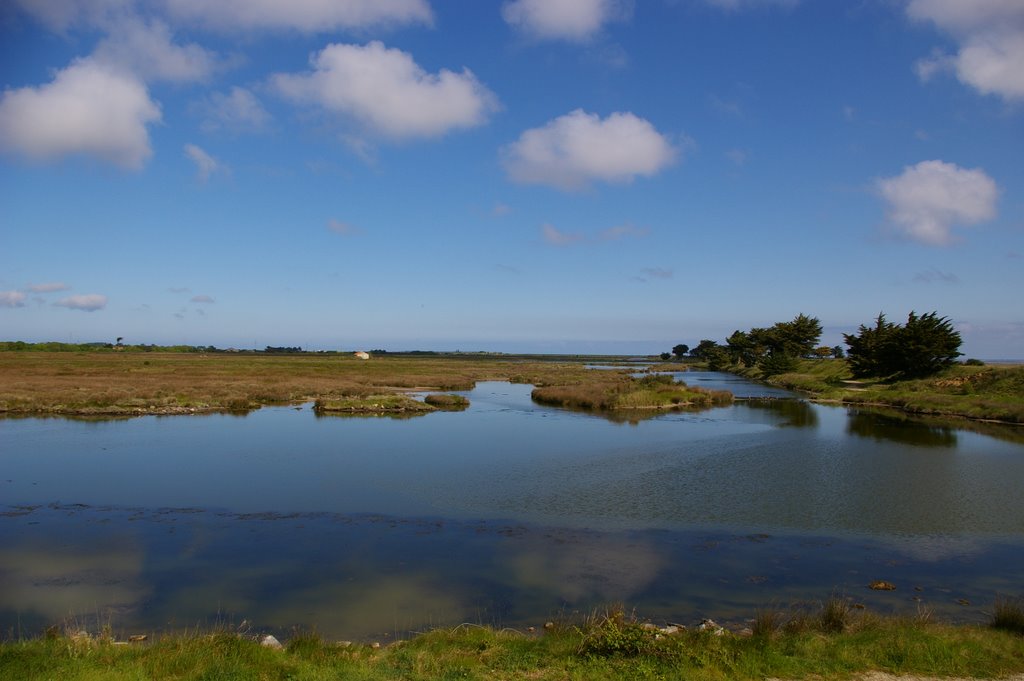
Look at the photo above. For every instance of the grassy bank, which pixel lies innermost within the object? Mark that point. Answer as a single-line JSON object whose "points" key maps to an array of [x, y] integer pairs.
{"points": [[833, 641], [977, 392]]}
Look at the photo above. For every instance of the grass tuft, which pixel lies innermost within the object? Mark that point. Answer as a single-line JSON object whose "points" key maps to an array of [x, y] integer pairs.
{"points": [[1008, 615]]}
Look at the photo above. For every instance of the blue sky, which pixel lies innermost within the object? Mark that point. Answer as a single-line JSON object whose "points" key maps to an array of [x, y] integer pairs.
{"points": [[527, 175]]}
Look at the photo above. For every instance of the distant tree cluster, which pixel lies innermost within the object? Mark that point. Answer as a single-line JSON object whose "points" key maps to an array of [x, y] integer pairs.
{"points": [[777, 348], [923, 346], [271, 349], [774, 350]]}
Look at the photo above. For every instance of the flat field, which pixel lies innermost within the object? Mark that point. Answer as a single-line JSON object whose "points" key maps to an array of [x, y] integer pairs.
{"points": [[130, 383]]}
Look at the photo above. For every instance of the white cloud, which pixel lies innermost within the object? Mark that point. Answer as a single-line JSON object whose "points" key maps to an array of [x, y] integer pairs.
{"points": [[934, 275], [388, 92], [301, 15], [60, 15], [87, 109], [237, 111], [206, 165], [202, 298], [146, 48], [658, 272], [732, 5], [49, 287], [571, 151], [575, 20], [342, 228], [738, 156], [990, 34], [928, 199], [622, 232], [557, 238], [12, 299], [89, 302]]}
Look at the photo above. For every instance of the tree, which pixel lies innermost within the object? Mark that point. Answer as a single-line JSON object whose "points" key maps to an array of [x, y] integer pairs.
{"points": [[796, 338], [869, 349], [665, 356], [837, 352], [743, 348], [680, 350], [703, 348], [924, 346], [927, 345], [786, 342]]}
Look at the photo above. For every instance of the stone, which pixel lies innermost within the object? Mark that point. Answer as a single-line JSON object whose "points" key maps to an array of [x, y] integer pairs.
{"points": [[881, 585], [670, 629], [271, 642], [375, 645], [136, 638], [711, 626]]}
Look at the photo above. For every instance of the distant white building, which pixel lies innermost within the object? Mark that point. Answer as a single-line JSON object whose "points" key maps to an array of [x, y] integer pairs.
{"points": [[362, 355]]}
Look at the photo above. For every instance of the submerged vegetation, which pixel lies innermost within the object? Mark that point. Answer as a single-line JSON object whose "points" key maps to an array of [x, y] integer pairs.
{"points": [[831, 640]]}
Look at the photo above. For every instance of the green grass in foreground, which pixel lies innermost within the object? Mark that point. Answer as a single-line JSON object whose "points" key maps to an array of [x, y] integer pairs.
{"points": [[830, 643]]}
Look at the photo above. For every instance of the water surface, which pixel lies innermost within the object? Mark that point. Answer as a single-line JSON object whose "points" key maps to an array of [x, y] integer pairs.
{"points": [[507, 513]]}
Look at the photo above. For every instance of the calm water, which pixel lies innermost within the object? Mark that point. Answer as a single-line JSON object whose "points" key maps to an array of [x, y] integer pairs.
{"points": [[508, 513]]}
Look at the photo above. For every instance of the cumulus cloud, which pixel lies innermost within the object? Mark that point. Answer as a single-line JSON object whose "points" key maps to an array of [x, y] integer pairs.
{"points": [[301, 15], [48, 287], [89, 302], [574, 20], [147, 49], [206, 165], [12, 299], [388, 92], [557, 238], [573, 150], [88, 109], [60, 15], [990, 34], [239, 110], [926, 200], [202, 298]]}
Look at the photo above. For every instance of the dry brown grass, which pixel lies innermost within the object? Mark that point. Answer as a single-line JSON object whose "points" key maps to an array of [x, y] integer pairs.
{"points": [[166, 383]]}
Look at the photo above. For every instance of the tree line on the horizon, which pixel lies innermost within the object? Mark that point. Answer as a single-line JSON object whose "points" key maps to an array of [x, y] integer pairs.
{"points": [[923, 346]]}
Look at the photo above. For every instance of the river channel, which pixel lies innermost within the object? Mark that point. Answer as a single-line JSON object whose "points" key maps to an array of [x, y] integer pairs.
{"points": [[507, 514]]}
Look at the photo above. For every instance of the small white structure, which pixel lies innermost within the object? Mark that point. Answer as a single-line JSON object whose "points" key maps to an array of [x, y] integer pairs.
{"points": [[362, 355]]}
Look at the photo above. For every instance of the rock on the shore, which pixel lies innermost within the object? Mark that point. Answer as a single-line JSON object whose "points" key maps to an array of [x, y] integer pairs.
{"points": [[271, 642]]}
